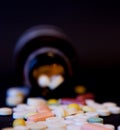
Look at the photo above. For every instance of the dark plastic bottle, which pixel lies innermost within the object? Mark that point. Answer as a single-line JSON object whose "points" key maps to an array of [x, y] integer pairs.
{"points": [[39, 50]]}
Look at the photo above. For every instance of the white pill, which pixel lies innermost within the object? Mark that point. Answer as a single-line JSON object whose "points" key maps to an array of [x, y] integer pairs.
{"points": [[110, 126], [14, 92], [13, 101], [70, 117], [114, 110], [36, 101], [73, 127], [89, 102], [17, 115], [59, 112], [103, 112], [109, 104], [21, 128], [77, 120], [5, 111], [91, 114], [36, 126], [43, 81], [20, 107], [55, 81], [97, 106], [54, 119], [80, 124], [68, 122], [41, 123]]}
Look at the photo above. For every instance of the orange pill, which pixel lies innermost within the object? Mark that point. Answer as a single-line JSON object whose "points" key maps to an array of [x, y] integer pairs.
{"points": [[91, 126], [40, 116]]}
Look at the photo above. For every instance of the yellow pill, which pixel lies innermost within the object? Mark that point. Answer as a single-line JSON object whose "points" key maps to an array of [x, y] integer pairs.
{"points": [[80, 89], [52, 101], [88, 109], [74, 105], [19, 122]]}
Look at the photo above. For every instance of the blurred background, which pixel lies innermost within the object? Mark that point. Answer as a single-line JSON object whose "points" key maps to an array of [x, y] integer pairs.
{"points": [[93, 27]]}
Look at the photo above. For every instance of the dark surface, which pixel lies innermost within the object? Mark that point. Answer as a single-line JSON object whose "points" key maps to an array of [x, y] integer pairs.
{"points": [[6, 121]]}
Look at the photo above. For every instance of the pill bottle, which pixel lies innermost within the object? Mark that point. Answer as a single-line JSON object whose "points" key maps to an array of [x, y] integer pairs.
{"points": [[46, 61]]}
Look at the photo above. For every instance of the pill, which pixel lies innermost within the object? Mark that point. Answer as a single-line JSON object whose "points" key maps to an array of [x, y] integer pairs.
{"points": [[91, 126], [88, 109], [60, 112], [43, 81], [89, 95], [17, 115], [19, 122], [71, 111], [21, 128], [92, 114], [103, 112], [74, 105], [89, 102], [13, 101], [5, 111], [110, 126], [20, 107], [55, 81], [67, 101], [14, 92], [80, 119], [114, 110], [29, 114], [109, 104], [73, 127], [95, 120], [80, 89], [40, 117], [56, 125], [37, 126], [54, 119], [52, 101], [32, 101]]}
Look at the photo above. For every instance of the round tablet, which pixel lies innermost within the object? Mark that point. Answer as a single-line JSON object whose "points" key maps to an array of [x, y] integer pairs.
{"points": [[21, 128], [5, 111], [32, 101], [43, 81], [103, 112], [110, 126], [19, 122]]}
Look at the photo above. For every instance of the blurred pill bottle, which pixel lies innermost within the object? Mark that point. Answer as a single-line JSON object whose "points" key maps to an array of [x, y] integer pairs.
{"points": [[46, 62]]}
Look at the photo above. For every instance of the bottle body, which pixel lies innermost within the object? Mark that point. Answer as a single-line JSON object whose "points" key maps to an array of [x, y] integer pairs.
{"points": [[45, 62]]}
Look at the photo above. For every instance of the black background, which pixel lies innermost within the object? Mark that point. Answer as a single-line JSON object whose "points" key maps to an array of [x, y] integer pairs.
{"points": [[93, 26]]}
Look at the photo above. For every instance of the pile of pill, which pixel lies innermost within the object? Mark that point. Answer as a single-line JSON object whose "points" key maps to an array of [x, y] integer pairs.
{"points": [[58, 114]]}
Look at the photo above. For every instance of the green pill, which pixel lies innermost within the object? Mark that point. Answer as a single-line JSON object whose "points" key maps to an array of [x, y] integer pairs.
{"points": [[95, 120]]}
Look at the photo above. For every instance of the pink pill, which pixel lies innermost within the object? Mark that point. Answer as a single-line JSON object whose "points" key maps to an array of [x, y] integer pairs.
{"points": [[91, 126], [40, 116]]}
